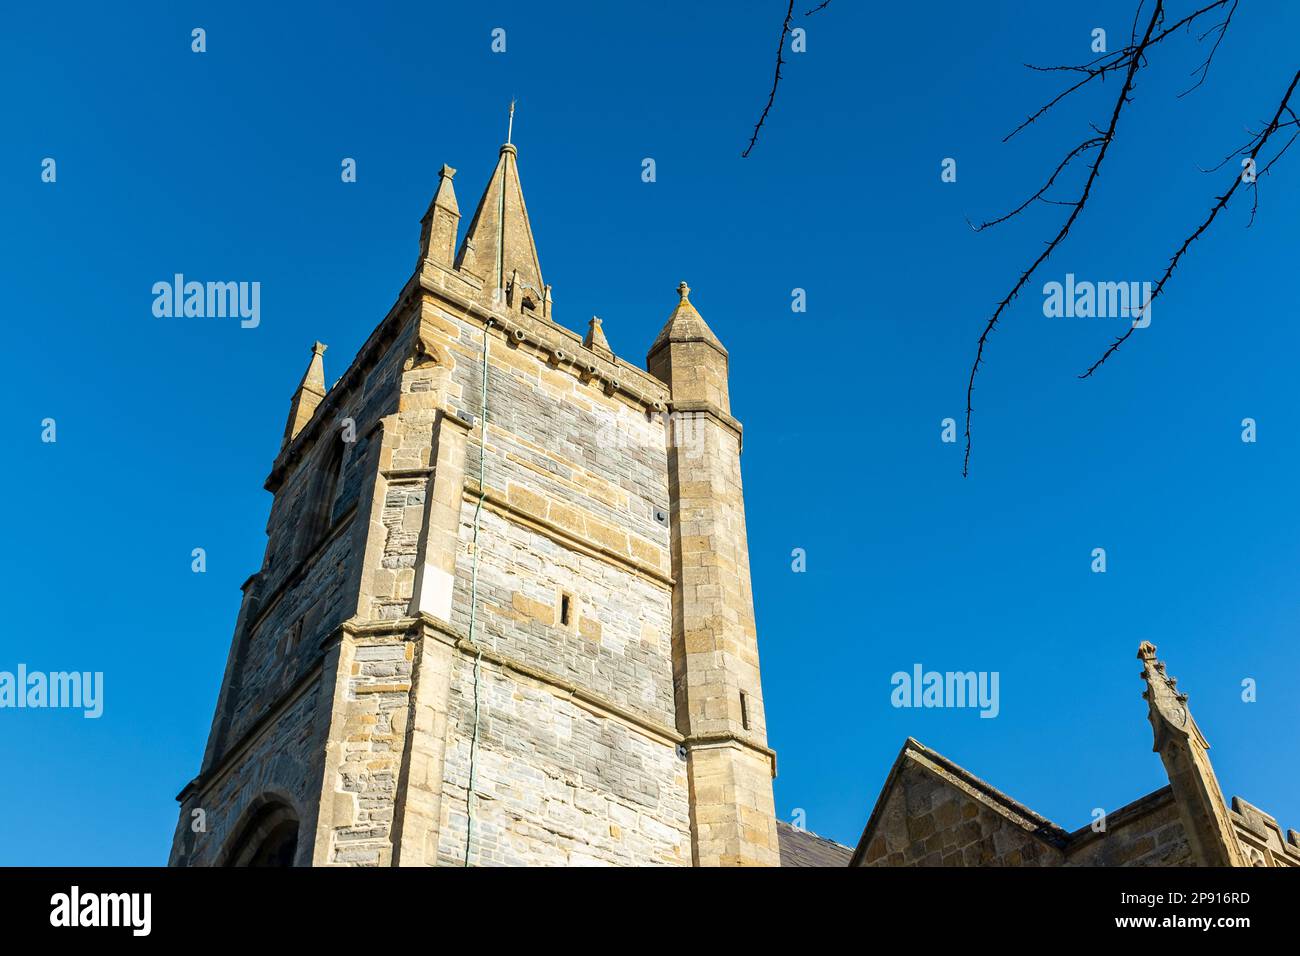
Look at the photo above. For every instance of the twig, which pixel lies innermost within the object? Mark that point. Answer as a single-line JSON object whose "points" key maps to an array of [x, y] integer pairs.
{"points": [[1204, 68], [776, 80], [1117, 61], [1083, 147]]}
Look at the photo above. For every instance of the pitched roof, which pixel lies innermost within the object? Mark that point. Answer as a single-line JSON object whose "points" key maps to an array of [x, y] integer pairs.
{"points": [[914, 753], [801, 848]]}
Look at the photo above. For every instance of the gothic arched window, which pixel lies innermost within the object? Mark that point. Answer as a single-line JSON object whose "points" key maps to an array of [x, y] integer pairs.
{"points": [[269, 838], [319, 511]]}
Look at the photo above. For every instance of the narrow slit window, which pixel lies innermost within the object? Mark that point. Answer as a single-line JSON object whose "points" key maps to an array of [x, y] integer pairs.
{"points": [[744, 710], [564, 610]]}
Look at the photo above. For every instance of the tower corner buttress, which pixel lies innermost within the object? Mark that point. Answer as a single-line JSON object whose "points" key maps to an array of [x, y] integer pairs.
{"points": [[719, 694]]}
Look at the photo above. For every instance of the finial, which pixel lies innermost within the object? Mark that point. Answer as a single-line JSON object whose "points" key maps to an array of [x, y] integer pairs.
{"points": [[318, 348], [1165, 686], [683, 290], [446, 172], [510, 128], [595, 337]]}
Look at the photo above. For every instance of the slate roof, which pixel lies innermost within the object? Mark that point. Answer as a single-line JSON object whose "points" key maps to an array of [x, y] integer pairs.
{"points": [[801, 848]]}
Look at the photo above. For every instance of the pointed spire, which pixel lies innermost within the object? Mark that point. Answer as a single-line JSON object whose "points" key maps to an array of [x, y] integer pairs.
{"points": [[685, 324], [1185, 753], [309, 394], [499, 246], [595, 338], [440, 222], [688, 356]]}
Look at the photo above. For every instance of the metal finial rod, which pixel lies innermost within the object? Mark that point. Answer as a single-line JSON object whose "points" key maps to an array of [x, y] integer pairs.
{"points": [[510, 129]]}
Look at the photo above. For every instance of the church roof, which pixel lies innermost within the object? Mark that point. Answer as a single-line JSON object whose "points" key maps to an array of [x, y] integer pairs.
{"points": [[916, 755], [802, 848]]}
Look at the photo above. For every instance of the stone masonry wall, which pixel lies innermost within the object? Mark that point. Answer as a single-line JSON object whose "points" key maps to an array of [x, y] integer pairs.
{"points": [[573, 480], [282, 761], [556, 784], [617, 642], [929, 821], [306, 590], [285, 641], [1152, 838], [575, 505], [378, 687], [934, 817]]}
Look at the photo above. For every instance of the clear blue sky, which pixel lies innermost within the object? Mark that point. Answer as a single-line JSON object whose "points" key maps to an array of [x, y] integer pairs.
{"points": [[226, 166]]}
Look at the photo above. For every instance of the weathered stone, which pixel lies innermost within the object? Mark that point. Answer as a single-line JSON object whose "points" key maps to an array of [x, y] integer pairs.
{"points": [[452, 581]]}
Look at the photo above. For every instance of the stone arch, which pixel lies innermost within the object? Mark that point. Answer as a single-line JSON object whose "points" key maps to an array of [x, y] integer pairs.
{"points": [[268, 834], [318, 518]]}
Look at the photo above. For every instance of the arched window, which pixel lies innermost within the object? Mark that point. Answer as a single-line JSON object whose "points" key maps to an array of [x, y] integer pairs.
{"points": [[319, 512], [269, 838]]}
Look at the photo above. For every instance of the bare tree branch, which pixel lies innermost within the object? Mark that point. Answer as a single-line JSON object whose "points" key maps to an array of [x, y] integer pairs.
{"points": [[1113, 62], [1134, 61], [1204, 68], [1278, 155], [1218, 207], [1083, 147], [1137, 17], [1245, 150], [1127, 62], [776, 80]]}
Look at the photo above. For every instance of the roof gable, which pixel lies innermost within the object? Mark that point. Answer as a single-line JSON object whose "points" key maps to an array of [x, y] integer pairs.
{"points": [[933, 811]]}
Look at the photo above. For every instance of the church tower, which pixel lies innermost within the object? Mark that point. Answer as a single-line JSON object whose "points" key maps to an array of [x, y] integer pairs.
{"points": [[504, 615]]}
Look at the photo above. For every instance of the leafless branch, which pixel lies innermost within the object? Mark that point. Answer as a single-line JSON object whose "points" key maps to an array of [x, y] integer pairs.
{"points": [[776, 80], [1278, 155], [1250, 143], [1114, 62], [817, 9], [1134, 61], [1204, 68], [1137, 18], [1219, 205], [1083, 147]]}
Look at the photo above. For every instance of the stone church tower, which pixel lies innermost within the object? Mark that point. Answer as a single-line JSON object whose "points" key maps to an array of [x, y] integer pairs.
{"points": [[504, 615]]}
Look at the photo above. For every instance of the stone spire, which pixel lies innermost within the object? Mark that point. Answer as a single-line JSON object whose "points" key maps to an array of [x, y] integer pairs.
{"points": [[595, 339], [1184, 751], [688, 356], [498, 246], [309, 394], [440, 222]]}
